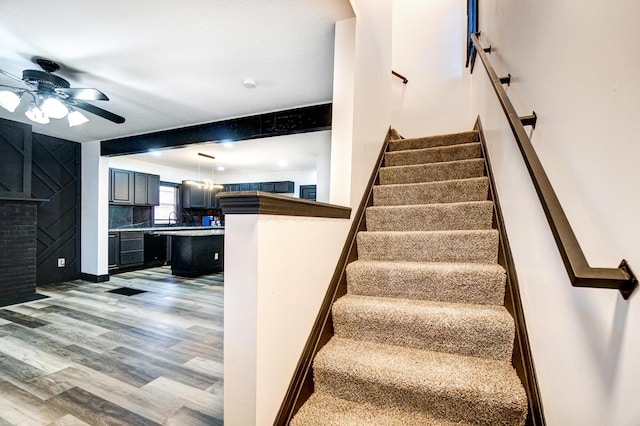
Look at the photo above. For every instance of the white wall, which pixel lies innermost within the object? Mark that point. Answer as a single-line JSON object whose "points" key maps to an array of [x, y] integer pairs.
{"points": [[576, 66], [175, 175], [95, 211], [274, 285], [372, 89], [429, 49], [292, 274], [312, 174]]}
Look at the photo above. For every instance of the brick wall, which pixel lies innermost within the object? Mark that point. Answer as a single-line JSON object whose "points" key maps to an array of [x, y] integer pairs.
{"points": [[17, 249]]}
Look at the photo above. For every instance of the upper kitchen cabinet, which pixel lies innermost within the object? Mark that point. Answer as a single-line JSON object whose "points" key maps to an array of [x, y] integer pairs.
{"points": [[146, 189], [196, 197], [133, 188], [120, 186], [193, 196], [283, 187]]}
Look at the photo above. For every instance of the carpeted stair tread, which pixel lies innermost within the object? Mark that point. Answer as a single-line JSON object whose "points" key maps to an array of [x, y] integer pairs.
{"points": [[432, 172], [475, 246], [450, 387], [474, 330], [325, 410], [433, 141], [449, 191], [421, 336], [433, 155], [431, 217], [475, 283]]}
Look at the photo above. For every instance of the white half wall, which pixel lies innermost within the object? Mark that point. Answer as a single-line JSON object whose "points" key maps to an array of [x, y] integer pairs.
{"points": [[429, 49], [576, 66], [277, 270]]}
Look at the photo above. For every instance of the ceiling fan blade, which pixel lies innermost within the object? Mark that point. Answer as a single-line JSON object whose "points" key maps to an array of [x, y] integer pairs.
{"points": [[84, 94], [98, 111], [8, 74]]}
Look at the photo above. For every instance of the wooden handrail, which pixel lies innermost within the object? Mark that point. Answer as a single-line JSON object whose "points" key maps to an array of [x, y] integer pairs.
{"points": [[580, 273]]}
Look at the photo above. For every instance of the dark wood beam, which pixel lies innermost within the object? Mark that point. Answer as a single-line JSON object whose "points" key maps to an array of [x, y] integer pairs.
{"points": [[279, 123]]}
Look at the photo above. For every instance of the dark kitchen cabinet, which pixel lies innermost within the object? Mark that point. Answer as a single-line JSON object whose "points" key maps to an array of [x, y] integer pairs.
{"points": [[193, 196], [114, 249], [153, 190], [133, 188], [131, 248], [308, 192], [121, 186], [155, 249], [146, 189], [283, 187]]}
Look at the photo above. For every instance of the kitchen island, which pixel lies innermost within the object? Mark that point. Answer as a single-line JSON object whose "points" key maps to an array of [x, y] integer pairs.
{"points": [[195, 252]]}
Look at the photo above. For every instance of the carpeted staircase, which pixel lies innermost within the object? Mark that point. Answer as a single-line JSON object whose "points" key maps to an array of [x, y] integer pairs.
{"points": [[421, 337]]}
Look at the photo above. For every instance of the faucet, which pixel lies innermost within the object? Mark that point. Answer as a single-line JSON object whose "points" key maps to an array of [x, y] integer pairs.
{"points": [[176, 218]]}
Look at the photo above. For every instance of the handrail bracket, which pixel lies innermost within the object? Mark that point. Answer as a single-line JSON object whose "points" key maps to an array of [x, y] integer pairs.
{"points": [[506, 80], [631, 284], [529, 120]]}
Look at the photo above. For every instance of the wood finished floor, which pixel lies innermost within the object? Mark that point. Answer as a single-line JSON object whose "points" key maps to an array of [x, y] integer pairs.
{"points": [[85, 356]]}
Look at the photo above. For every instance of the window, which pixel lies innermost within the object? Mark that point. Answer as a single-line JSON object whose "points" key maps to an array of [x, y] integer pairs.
{"points": [[166, 212], [472, 26]]}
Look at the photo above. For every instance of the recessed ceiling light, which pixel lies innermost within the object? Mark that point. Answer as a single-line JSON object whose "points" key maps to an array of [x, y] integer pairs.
{"points": [[249, 83], [155, 153], [283, 163], [220, 169], [227, 145]]}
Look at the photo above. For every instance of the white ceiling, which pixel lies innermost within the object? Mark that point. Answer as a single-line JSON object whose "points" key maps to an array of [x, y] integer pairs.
{"points": [[167, 64]]}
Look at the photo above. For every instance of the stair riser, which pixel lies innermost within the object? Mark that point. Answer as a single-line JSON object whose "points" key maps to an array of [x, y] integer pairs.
{"points": [[433, 141], [433, 172], [455, 246], [456, 285], [429, 193], [445, 406], [433, 155], [486, 335], [436, 217]]}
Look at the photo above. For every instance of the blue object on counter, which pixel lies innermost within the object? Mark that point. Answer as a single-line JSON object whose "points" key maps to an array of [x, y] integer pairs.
{"points": [[206, 220]]}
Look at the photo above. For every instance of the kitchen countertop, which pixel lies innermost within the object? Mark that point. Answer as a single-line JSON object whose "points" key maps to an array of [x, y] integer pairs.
{"points": [[190, 232], [168, 228]]}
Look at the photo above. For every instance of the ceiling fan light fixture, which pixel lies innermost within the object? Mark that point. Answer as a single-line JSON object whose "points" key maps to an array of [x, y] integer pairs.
{"points": [[34, 113], [53, 108], [76, 118], [9, 100], [249, 83]]}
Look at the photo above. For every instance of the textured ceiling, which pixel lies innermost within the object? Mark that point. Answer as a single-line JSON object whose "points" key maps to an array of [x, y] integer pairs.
{"points": [[167, 64]]}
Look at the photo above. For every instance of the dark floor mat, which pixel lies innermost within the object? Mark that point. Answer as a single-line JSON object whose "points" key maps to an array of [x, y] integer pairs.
{"points": [[126, 291]]}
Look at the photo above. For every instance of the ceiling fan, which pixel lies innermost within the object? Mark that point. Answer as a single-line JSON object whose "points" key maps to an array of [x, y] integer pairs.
{"points": [[52, 96]]}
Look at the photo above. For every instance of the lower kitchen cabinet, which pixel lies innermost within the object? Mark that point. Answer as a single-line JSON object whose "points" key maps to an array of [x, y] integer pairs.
{"points": [[131, 249], [155, 250], [114, 249]]}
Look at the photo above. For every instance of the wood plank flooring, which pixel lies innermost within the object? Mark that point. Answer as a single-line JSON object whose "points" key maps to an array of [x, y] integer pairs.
{"points": [[85, 356]]}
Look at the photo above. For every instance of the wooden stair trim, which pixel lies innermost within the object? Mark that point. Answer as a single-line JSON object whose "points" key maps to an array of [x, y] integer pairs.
{"points": [[301, 385], [522, 358]]}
